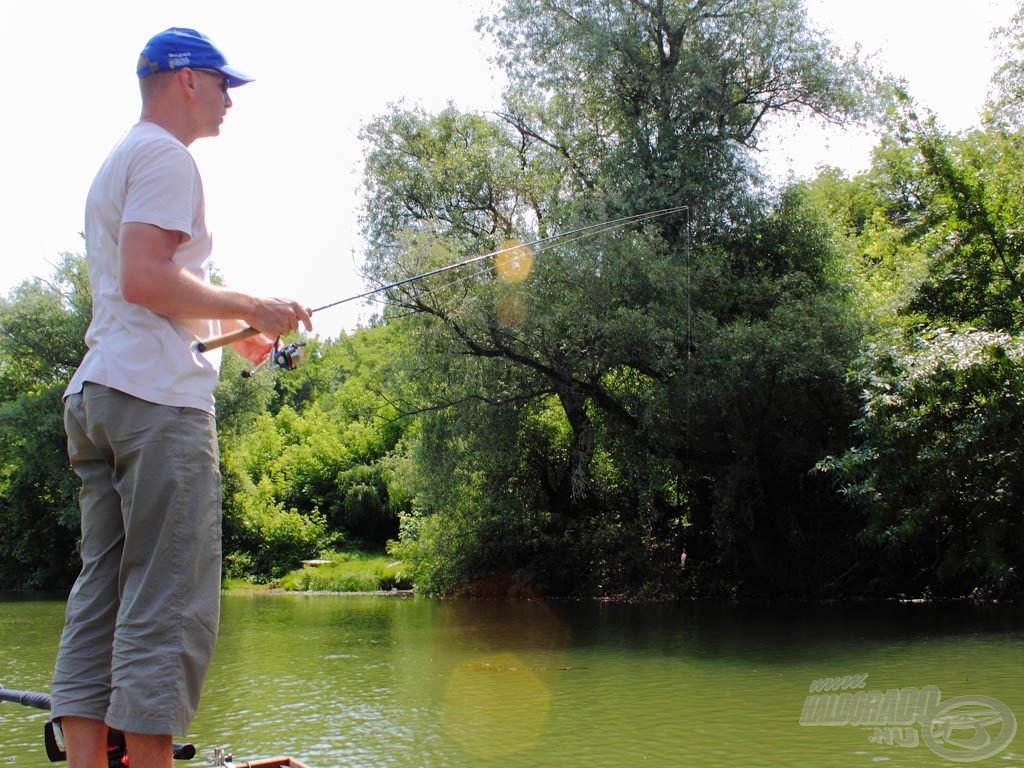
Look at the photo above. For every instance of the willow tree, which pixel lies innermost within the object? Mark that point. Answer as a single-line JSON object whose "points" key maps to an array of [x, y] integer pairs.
{"points": [[665, 384]]}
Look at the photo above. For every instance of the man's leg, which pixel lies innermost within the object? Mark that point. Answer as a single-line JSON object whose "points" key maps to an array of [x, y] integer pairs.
{"points": [[85, 741], [169, 477], [159, 546], [148, 751], [80, 692]]}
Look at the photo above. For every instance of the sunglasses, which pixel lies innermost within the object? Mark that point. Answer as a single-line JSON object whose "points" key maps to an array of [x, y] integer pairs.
{"points": [[221, 75]]}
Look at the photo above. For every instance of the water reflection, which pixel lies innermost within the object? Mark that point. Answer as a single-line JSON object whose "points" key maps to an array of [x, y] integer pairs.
{"points": [[403, 682]]}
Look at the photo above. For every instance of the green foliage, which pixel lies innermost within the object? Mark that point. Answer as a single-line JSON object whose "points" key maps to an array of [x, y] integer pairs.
{"points": [[240, 400], [1003, 110], [257, 521], [976, 215], [934, 463], [42, 326], [877, 218], [38, 495], [312, 467], [652, 388], [490, 485], [617, 110], [273, 538], [938, 468], [678, 92], [366, 510], [458, 170], [767, 399], [348, 572], [934, 226]]}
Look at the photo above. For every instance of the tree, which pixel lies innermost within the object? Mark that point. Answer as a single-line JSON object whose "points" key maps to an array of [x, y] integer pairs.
{"points": [[938, 467], [1003, 109], [42, 327], [617, 109], [680, 91], [933, 464], [976, 270]]}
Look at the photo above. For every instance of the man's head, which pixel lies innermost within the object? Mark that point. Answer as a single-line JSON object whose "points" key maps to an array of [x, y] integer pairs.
{"points": [[184, 81], [177, 47]]}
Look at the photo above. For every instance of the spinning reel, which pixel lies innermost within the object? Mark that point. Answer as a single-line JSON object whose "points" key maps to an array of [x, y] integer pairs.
{"points": [[282, 357]]}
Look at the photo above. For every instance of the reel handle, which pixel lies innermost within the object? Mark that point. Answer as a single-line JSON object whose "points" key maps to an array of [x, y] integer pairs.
{"points": [[226, 338]]}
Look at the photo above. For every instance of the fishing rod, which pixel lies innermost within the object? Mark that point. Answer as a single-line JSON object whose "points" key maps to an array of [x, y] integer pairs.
{"points": [[287, 357], [54, 738]]}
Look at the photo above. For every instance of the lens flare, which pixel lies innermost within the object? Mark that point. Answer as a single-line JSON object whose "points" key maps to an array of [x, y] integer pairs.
{"points": [[514, 261], [511, 309], [502, 663], [495, 707]]}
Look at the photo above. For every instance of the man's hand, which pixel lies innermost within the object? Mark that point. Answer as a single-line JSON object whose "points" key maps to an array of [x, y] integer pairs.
{"points": [[278, 317], [256, 348]]}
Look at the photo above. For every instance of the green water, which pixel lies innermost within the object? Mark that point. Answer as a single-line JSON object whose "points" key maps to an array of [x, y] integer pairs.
{"points": [[410, 682]]}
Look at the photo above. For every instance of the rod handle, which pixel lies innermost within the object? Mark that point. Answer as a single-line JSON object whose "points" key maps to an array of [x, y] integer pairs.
{"points": [[224, 339], [25, 698]]}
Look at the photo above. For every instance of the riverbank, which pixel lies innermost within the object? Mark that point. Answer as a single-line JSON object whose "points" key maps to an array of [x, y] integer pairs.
{"points": [[354, 572]]}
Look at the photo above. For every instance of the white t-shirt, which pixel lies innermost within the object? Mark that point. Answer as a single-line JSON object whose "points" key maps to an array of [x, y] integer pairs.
{"points": [[149, 177]]}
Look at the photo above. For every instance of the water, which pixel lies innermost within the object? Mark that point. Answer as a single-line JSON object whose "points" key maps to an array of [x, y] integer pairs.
{"points": [[360, 681]]}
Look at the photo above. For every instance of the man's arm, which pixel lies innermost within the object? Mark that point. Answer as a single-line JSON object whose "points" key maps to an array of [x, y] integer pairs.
{"points": [[255, 349], [150, 278]]}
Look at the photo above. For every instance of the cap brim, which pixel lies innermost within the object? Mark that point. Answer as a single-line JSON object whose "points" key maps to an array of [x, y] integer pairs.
{"points": [[235, 78]]}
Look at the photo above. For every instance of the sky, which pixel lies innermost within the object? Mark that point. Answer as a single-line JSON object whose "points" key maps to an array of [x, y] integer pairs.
{"points": [[283, 179]]}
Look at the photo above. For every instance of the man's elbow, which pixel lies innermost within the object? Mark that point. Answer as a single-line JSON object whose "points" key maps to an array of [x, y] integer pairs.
{"points": [[146, 270], [136, 289]]}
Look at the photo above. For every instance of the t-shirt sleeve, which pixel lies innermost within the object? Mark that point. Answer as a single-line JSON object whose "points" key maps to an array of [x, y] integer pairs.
{"points": [[161, 189]]}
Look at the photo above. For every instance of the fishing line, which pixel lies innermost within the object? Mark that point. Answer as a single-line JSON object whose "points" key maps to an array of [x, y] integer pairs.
{"points": [[690, 348], [437, 288], [573, 235], [561, 243], [570, 236]]}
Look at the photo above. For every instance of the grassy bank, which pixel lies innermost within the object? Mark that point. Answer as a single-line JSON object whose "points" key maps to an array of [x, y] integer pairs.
{"points": [[341, 572]]}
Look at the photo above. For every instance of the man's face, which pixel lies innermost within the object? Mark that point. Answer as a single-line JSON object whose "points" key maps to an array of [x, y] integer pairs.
{"points": [[214, 100]]}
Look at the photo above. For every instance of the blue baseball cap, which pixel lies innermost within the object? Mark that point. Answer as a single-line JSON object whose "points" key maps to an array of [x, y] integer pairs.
{"points": [[178, 47]]}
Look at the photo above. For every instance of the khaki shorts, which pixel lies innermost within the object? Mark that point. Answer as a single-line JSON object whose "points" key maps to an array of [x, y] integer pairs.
{"points": [[142, 617]]}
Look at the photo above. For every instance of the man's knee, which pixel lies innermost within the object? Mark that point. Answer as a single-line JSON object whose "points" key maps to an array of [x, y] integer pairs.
{"points": [[85, 741], [146, 750]]}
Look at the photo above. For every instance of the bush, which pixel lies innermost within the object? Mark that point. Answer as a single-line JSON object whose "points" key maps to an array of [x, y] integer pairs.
{"points": [[267, 539], [939, 467], [348, 572]]}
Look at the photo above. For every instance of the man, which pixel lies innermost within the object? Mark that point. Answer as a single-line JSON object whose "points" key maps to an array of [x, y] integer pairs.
{"points": [[143, 616]]}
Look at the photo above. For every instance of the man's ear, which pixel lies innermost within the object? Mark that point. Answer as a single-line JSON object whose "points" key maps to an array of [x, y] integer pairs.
{"points": [[186, 79]]}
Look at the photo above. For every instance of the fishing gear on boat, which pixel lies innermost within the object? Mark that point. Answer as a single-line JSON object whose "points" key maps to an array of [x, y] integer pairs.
{"points": [[514, 255], [53, 737], [117, 750]]}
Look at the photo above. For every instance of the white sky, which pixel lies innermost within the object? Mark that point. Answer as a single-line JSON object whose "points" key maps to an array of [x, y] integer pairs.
{"points": [[283, 179]]}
